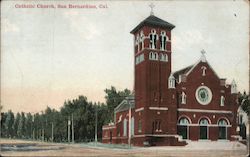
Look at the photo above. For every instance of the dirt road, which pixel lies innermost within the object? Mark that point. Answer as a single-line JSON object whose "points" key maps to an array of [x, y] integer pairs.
{"points": [[30, 148]]}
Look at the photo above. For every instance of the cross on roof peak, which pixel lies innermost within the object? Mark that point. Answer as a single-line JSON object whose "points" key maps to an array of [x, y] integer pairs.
{"points": [[203, 58], [203, 52], [152, 8]]}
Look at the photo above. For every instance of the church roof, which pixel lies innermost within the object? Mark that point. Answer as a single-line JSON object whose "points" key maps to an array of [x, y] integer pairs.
{"points": [[125, 104], [190, 68], [182, 71], [153, 21]]}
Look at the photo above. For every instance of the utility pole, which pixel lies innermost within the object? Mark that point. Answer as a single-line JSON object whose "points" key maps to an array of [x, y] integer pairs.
{"points": [[33, 128], [52, 131], [129, 124], [96, 125], [72, 128], [130, 101], [69, 129]]}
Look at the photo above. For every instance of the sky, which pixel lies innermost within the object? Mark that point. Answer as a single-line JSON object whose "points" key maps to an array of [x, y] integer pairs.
{"points": [[49, 55]]}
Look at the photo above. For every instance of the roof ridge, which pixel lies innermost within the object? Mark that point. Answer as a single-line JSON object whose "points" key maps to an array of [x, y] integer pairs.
{"points": [[185, 68], [153, 20]]}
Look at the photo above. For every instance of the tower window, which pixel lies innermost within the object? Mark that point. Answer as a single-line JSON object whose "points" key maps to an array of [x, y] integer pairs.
{"points": [[153, 38], [139, 59], [153, 56], [163, 57], [142, 40], [137, 40], [137, 43], [163, 40]]}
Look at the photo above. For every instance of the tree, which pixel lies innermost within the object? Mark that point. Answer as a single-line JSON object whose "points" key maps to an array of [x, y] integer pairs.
{"points": [[244, 102], [113, 99], [9, 123], [28, 125], [16, 123], [245, 105], [21, 127], [3, 129]]}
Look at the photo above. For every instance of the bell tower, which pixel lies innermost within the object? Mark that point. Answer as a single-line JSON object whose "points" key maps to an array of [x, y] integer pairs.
{"points": [[154, 99]]}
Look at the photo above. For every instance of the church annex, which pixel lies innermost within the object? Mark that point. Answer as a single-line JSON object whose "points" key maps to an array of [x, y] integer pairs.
{"points": [[168, 108]]}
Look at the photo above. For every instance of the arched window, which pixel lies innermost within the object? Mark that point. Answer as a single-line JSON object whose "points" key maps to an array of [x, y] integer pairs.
{"points": [[204, 132], [163, 40], [161, 57], [171, 81], [222, 122], [155, 56], [165, 57], [153, 38], [203, 68], [203, 121], [183, 128], [132, 126], [137, 43], [137, 39], [142, 40], [184, 121], [222, 129], [125, 127], [151, 56], [183, 98], [222, 101]]}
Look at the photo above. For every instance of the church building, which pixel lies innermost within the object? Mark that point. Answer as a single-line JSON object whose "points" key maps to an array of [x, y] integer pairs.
{"points": [[168, 108]]}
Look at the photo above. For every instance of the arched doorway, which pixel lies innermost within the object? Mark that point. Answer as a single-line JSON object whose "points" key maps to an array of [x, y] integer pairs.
{"points": [[204, 132], [183, 128], [222, 129]]}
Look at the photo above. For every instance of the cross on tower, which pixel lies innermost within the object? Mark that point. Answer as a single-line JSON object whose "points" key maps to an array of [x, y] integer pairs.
{"points": [[152, 7], [203, 52]]}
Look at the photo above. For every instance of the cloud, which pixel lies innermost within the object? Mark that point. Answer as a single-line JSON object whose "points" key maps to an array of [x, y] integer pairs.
{"points": [[190, 38], [86, 28], [7, 26]]}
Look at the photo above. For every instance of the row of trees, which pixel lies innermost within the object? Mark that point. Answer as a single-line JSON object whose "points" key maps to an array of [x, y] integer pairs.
{"points": [[51, 123]]}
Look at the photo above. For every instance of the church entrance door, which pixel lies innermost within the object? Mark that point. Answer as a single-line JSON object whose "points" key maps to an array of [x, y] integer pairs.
{"points": [[222, 132], [203, 132], [183, 131], [204, 128]]}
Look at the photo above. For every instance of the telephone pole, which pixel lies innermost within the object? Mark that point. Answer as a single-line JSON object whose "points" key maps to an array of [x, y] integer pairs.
{"points": [[52, 132], [69, 129], [33, 126], [72, 128], [96, 125], [129, 125]]}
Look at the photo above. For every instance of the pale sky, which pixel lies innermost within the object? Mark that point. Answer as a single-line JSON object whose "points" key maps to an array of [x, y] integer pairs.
{"points": [[51, 55]]}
